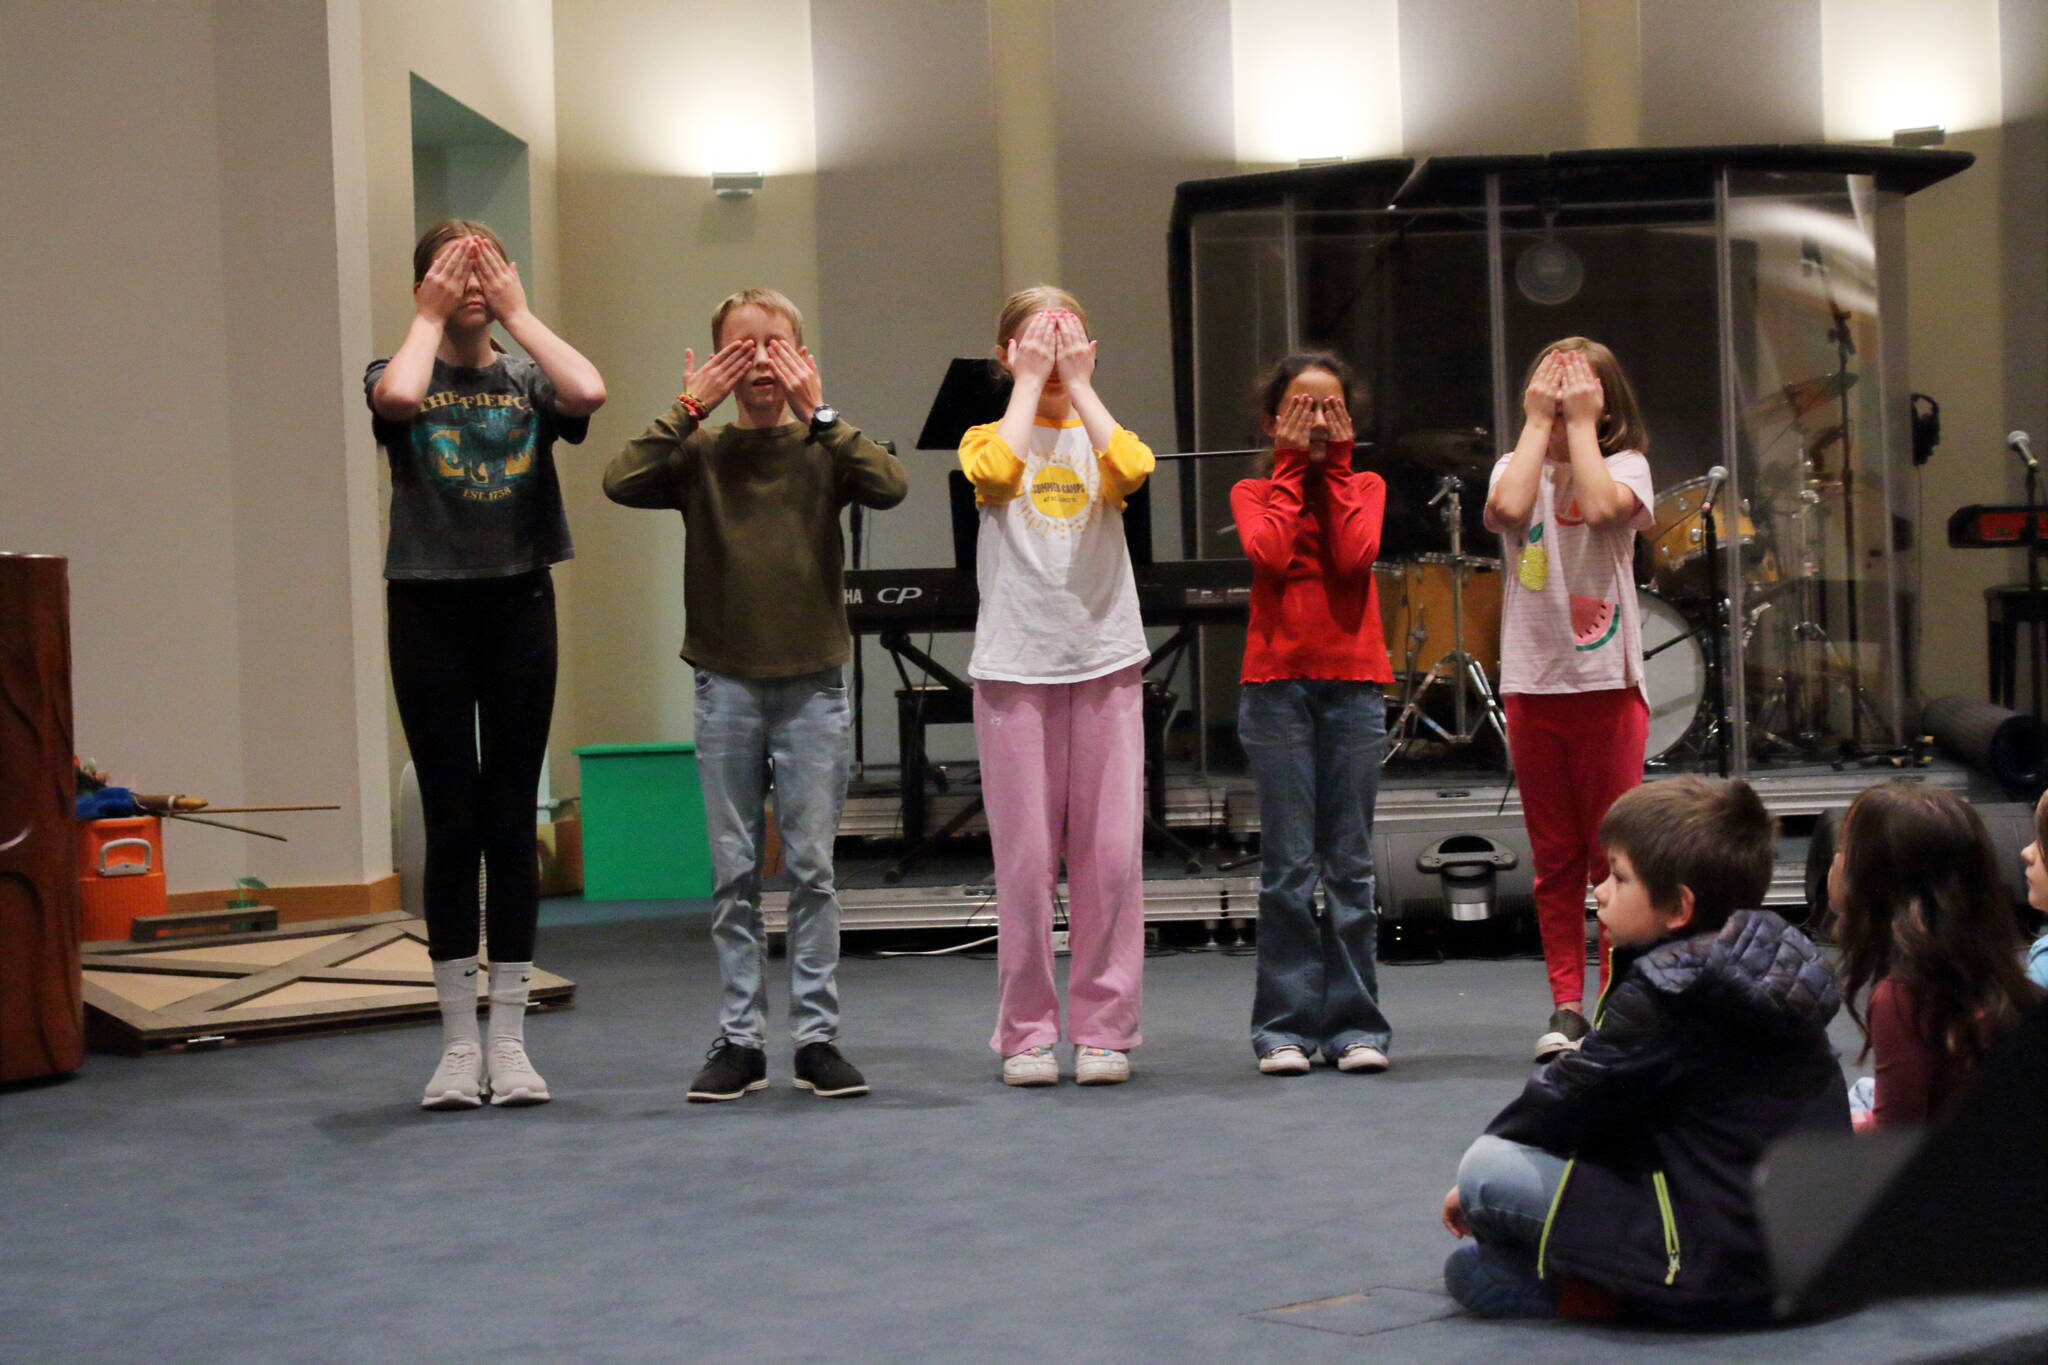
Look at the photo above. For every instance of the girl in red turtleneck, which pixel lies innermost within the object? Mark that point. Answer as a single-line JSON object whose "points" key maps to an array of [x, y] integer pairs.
{"points": [[1313, 722]]}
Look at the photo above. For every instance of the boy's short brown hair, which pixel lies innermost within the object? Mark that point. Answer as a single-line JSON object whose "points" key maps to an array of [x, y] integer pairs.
{"points": [[1711, 836], [774, 300]]}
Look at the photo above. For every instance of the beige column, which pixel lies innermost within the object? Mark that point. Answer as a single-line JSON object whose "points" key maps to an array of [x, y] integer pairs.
{"points": [[1027, 189], [1610, 73]]}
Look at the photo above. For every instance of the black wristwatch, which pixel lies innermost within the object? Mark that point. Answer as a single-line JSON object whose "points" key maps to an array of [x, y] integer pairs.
{"points": [[822, 416]]}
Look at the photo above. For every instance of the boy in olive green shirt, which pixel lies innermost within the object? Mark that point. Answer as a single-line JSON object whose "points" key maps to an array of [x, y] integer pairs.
{"points": [[765, 628]]}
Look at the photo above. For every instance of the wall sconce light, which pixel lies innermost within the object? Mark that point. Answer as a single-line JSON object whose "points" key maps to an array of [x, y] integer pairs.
{"points": [[1932, 135], [736, 184]]}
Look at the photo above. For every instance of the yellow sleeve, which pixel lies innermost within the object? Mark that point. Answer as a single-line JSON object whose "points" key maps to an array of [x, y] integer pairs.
{"points": [[1124, 466], [990, 465]]}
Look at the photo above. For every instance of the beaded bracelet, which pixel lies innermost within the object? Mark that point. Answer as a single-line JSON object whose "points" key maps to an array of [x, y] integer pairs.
{"points": [[694, 406]]}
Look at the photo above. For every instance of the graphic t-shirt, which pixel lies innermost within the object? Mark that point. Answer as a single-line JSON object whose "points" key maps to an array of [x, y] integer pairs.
{"points": [[1569, 621], [473, 486], [1058, 600]]}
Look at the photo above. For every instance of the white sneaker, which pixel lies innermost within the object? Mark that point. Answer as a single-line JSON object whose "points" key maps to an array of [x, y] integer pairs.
{"points": [[1100, 1066], [458, 1080], [1032, 1066], [1362, 1057], [1286, 1060], [513, 1079]]}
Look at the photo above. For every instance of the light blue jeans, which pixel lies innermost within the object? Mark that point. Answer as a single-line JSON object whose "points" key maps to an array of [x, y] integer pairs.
{"points": [[1314, 746], [1505, 1189], [796, 733]]}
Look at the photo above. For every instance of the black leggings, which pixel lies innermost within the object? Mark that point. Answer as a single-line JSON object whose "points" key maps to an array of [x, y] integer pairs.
{"points": [[474, 659]]}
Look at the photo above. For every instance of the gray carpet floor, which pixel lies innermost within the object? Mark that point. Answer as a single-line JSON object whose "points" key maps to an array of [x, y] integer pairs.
{"points": [[288, 1202]]}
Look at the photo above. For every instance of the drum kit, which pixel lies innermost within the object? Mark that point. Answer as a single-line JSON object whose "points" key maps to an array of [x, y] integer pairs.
{"points": [[1441, 614]]}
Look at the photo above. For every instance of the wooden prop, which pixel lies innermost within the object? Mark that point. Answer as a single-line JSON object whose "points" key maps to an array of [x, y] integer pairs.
{"points": [[41, 1026], [222, 824], [185, 805], [348, 973], [246, 919]]}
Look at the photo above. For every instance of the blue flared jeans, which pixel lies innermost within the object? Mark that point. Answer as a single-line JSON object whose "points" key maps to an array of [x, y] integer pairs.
{"points": [[1315, 747]]}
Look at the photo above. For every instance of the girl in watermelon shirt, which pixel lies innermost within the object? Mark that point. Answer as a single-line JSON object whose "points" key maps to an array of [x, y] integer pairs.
{"points": [[1567, 503]]}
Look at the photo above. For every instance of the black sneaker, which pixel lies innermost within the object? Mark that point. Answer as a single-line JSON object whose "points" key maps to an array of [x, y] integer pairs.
{"points": [[822, 1071], [1568, 1028], [733, 1070]]}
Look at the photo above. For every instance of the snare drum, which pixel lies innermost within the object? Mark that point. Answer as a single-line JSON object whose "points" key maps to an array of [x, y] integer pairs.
{"points": [[1415, 610], [1678, 542], [1674, 676]]}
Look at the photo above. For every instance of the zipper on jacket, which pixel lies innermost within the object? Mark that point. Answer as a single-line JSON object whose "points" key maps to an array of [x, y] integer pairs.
{"points": [[1670, 1225], [1606, 984], [1557, 1198], [1550, 1215]]}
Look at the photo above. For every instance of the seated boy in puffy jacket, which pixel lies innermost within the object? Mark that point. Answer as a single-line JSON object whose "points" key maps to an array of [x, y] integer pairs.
{"points": [[1622, 1177]]}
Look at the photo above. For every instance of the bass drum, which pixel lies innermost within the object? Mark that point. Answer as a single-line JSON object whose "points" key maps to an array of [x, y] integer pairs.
{"points": [[1674, 675], [1415, 610]]}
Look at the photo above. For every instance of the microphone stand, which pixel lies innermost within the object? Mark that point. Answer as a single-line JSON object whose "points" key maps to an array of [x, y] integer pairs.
{"points": [[1717, 642], [1845, 346], [2034, 623]]}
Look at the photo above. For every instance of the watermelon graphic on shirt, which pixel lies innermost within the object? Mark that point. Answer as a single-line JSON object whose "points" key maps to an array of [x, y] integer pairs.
{"points": [[1593, 622]]}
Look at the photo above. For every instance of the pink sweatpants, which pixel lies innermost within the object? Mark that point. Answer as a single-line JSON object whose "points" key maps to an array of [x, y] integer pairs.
{"points": [[1063, 771], [1574, 753]]}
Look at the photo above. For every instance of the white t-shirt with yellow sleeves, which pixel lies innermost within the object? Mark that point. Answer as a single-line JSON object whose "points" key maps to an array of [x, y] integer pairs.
{"points": [[1058, 602]]}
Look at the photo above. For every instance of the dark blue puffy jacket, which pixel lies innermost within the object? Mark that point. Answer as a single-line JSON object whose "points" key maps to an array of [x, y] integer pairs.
{"points": [[1705, 1051]]}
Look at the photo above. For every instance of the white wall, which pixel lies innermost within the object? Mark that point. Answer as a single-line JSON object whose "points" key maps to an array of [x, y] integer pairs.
{"points": [[653, 96], [1285, 107], [498, 58], [193, 291], [1489, 76], [1758, 84], [172, 272]]}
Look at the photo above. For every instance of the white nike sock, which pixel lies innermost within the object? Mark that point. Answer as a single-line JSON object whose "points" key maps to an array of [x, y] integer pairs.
{"points": [[510, 982], [455, 985]]}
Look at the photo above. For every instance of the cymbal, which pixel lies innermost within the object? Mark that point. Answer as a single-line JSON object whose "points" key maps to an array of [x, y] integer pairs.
{"points": [[1463, 450], [1794, 401], [1780, 484]]}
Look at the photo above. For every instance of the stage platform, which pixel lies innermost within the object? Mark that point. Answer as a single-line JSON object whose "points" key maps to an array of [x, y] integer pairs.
{"points": [[952, 887]]}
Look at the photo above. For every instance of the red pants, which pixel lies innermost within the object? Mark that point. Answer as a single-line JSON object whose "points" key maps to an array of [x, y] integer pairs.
{"points": [[1574, 753]]}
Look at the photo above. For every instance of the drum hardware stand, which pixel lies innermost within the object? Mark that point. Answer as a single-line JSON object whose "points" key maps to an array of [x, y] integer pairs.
{"points": [[1811, 712], [1758, 732], [1457, 669]]}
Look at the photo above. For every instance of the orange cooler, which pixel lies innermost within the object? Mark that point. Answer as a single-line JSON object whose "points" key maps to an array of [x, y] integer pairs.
{"points": [[120, 874]]}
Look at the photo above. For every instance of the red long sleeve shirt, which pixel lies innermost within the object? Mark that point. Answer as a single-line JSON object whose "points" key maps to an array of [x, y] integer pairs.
{"points": [[1312, 533], [1916, 1081]]}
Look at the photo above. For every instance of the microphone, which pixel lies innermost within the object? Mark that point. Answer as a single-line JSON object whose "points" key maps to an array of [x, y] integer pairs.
{"points": [[1716, 476], [2016, 442]]}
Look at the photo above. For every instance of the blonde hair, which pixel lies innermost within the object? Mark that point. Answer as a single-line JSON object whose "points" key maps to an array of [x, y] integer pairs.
{"points": [[773, 300], [1018, 308], [1621, 417]]}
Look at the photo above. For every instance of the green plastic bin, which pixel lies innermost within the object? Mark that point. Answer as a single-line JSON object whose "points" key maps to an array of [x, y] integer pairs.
{"points": [[643, 823]]}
